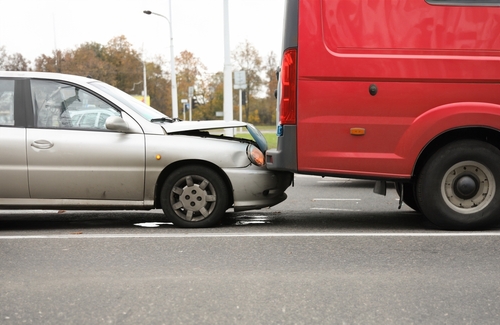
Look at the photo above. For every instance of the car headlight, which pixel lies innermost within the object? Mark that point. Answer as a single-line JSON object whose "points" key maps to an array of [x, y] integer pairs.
{"points": [[255, 155]]}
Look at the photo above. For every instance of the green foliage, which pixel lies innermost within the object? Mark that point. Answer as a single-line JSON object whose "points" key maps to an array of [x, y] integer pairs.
{"points": [[271, 138]]}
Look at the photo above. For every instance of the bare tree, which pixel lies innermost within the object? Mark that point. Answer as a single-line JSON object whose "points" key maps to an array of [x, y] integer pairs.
{"points": [[16, 62], [3, 57], [247, 58]]}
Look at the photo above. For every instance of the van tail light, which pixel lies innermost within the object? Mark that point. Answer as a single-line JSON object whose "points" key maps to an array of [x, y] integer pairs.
{"points": [[288, 101]]}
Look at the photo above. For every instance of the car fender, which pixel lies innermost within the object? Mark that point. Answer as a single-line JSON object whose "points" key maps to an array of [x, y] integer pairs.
{"points": [[164, 150]]}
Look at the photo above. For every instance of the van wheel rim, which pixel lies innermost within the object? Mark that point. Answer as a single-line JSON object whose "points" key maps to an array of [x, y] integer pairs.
{"points": [[468, 187]]}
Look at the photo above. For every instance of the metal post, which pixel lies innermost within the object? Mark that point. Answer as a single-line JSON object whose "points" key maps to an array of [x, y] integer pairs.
{"points": [[191, 109], [175, 109], [240, 107], [228, 80], [145, 95]]}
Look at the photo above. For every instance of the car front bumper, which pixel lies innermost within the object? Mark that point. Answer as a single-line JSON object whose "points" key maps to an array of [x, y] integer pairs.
{"points": [[255, 188]]}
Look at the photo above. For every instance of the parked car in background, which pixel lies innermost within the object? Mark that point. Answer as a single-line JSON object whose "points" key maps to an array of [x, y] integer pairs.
{"points": [[71, 142]]}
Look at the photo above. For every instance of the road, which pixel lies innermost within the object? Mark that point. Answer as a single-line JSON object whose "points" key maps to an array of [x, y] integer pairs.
{"points": [[333, 253]]}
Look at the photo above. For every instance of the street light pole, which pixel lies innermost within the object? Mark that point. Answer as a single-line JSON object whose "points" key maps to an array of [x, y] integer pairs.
{"points": [[228, 80], [175, 110], [145, 95]]}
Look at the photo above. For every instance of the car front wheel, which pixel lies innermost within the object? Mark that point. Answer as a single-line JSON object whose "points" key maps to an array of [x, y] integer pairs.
{"points": [[194, 196], [457, 188]]}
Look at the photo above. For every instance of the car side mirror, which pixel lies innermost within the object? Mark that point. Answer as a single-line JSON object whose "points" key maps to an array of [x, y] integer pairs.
{"points": [[116, 123]]}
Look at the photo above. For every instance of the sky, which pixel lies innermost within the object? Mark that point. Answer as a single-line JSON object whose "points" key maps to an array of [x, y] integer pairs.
{"points": [[35, 27]]}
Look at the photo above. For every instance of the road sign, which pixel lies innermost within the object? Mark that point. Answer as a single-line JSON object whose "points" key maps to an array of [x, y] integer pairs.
{"points": [[240, 80]]}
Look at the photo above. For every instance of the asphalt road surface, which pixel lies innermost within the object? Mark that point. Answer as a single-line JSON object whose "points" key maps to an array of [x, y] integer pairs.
{"points": [[333, 253]]}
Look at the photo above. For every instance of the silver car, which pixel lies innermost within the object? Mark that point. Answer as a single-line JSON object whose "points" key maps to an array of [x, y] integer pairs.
{"points": [[70, 142]]}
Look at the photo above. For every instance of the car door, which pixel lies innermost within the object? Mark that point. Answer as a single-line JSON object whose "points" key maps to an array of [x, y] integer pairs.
{"points": [[82, 162], [13, 166]]}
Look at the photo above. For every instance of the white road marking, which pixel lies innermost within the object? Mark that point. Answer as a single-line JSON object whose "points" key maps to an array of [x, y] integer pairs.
{"points": [[271, 235], [334, 209], [152, 224], [320, 199]]}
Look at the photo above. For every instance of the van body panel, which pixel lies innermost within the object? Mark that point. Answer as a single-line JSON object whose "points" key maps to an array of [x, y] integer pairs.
{"points": [[434, 69]]}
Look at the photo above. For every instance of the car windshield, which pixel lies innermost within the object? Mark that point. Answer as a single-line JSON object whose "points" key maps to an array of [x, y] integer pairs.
{"points": [[148, 112]]}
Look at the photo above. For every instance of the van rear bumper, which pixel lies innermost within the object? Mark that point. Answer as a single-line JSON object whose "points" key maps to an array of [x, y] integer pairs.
{"points": [[281, 159]]}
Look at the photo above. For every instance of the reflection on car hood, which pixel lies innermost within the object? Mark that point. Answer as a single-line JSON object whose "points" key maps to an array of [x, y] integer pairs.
{"points": [[183, 126]]}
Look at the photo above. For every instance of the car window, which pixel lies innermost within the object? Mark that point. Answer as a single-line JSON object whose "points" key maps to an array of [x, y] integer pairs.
{"points": [[58, 105], [6, 102], [137, 106]]}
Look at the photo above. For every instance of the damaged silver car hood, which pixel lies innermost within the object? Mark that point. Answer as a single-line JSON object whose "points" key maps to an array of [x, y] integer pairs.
{"points": [[182, 126], [185, 126]]}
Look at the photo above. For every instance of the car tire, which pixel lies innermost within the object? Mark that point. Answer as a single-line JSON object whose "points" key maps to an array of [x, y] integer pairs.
{"points": [[194, 197], [458, 186], [408, 195]]}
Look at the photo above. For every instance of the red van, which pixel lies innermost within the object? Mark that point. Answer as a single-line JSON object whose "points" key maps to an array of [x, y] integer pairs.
{"points": [[406, 91]]}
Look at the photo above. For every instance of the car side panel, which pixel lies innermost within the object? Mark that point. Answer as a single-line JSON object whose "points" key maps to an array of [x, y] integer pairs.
{"points": [[164, 150], [13, 167], [76, 164]]}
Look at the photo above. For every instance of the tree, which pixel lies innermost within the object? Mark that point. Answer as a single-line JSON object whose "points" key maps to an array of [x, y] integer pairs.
{"points": [[90, 59], [3, 57], [247, 58], [159, 86], [116, 63], [47, 63], [268, 111], [211, 89], [189, 71], [15, 62], [124, 62]]}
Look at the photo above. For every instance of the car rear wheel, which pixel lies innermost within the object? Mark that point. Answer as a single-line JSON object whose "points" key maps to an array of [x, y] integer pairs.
{"points": [[457, 188], [194, 196]]}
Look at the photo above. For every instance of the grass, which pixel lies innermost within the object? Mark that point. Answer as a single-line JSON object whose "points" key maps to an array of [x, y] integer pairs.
{"points": [[272, 140], [269, 133]]}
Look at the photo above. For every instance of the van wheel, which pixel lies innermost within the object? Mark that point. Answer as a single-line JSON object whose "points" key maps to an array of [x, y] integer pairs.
{"points": [[457, 188], [408, 195], [194, 196]]}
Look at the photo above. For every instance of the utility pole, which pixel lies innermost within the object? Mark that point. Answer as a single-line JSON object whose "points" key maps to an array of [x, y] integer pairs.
{"points": [[228, 80], [145, 91]]}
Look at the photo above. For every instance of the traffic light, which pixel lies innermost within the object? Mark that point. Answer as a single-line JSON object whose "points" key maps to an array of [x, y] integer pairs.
{"points": [[194, 103]]}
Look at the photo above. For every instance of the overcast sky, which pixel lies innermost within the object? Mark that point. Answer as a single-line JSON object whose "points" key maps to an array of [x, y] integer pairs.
{"points": [[35, 27]]}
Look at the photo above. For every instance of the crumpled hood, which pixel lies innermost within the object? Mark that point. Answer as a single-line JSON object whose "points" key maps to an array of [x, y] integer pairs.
{"points": [[182, 126]]}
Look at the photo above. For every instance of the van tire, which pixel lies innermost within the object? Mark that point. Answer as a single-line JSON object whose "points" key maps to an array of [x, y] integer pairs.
{"points": [[458, 187], [408, 195]]}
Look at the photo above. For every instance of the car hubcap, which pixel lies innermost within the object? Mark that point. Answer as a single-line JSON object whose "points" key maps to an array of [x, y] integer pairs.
{"points": [[468, 187], [193, 198]]}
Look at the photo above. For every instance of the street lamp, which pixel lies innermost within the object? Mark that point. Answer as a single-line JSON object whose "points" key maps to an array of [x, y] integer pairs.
{"points": [[172, 62]]}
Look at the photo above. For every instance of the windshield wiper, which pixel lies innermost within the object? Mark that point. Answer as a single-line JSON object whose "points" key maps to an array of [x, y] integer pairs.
{"points": [[162, 119]]}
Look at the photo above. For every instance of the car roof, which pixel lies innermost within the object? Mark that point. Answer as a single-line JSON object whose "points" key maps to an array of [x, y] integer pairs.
{"points": [[45, 75]]}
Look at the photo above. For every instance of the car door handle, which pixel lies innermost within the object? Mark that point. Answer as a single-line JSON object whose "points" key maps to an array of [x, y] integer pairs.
{"points": [[42, 144]]}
